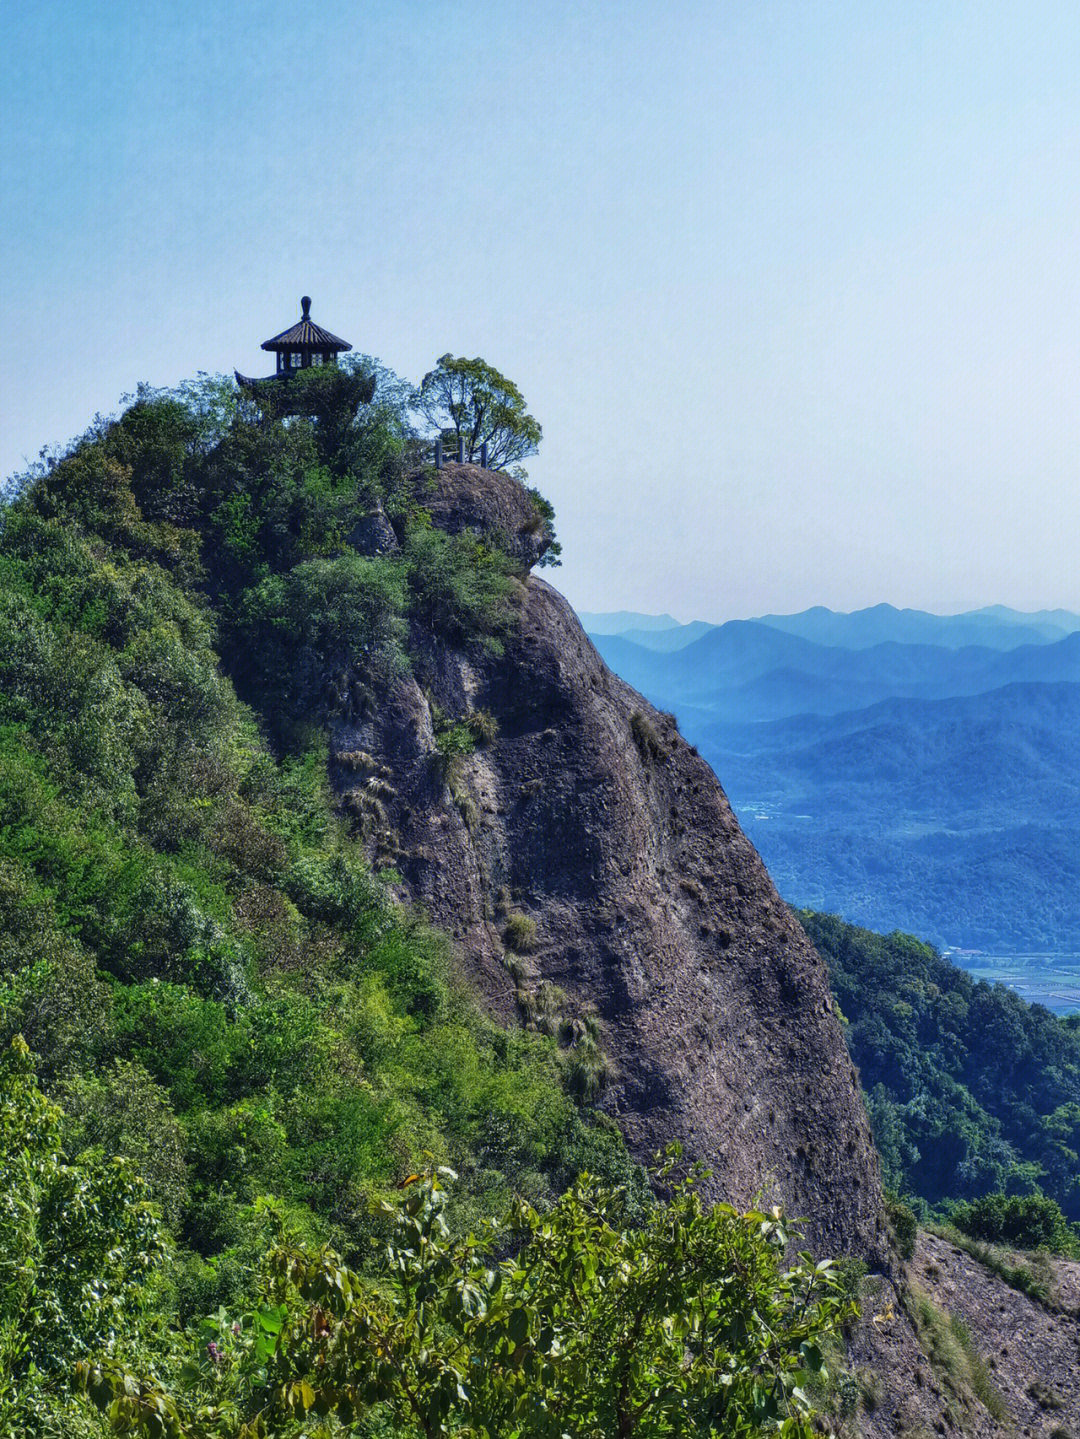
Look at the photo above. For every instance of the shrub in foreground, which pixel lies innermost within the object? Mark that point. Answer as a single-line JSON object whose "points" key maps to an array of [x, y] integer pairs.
{"points": [[688, 1325]]}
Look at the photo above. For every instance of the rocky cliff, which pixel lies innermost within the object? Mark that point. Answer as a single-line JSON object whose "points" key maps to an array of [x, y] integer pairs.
{"points": [[589, 866], [586, 848]]}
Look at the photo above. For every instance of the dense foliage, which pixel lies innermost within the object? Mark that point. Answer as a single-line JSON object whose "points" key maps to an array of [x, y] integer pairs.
{"points": [[971, 1091], [79, 1242], [591, 1327]]}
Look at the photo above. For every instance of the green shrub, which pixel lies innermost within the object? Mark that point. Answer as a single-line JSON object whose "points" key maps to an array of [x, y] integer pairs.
{"points": [[459, 586], [413, 962], [690, 1322], [455, 740], [903, 1225], [520, 933], [340, 1136], [646, 738], [1025, 1221]]}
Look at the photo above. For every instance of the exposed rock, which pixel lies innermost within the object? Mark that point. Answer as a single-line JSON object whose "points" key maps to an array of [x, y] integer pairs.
{"points": [[589, 814], [588, 827], [1026, 1354], [485, 502], [374, 534]]}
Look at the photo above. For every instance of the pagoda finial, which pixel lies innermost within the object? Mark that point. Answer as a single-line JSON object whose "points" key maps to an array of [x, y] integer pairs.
{"points": [[305, 305]]}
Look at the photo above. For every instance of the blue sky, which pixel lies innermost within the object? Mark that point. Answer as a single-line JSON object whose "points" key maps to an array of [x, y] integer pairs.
{"points": [[794, 288]]}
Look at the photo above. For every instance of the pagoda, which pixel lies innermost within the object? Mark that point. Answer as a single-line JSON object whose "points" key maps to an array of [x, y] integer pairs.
{"points": [[299, 348]]}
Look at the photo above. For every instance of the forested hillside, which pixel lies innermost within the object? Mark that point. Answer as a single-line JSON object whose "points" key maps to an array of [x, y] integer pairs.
{"points": [[970, 1090]]}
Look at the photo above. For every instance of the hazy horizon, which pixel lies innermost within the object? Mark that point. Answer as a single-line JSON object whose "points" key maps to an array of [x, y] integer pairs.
{"points": [[793, 290], [585, 610]]}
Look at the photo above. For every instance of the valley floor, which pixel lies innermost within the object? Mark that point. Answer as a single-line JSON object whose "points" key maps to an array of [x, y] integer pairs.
{"points": [[1052, 980]]}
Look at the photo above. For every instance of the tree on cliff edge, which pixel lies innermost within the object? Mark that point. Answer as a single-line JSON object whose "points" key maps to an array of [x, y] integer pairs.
{"points": [[470, 400]]}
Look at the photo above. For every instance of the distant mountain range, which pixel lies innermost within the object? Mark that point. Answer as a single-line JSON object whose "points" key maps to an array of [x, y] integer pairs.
{"points": [[989, 756], [749, 670], [889, 767], [995, 627], [618, 622]]}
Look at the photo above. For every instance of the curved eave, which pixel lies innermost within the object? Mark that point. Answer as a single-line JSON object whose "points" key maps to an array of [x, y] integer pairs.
{"points": [[249, 380]]}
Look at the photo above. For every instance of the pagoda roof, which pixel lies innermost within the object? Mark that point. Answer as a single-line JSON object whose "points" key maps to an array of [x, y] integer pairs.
{"points": [[305, 335]]}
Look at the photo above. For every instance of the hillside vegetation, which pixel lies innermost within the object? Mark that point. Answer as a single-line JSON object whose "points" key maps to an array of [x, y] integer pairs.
{"points": [[211, 980], [184, 917], [224, 1047], [971, 1091]]}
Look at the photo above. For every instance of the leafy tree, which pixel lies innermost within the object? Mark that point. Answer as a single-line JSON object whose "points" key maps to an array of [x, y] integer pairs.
{"points": [[470, 400], [78, 1242], [689, 1325]]}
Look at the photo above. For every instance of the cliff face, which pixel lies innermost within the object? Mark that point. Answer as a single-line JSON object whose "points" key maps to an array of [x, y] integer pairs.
{"points": [[589, 815]]}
